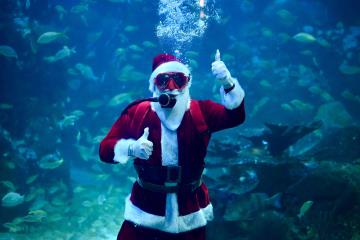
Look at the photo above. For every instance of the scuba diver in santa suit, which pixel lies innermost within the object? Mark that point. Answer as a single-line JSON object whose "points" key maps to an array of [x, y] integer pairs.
{"points": [[166, 138]]}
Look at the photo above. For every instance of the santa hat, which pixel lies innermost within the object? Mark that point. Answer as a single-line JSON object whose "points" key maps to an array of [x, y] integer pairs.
{"points": [[163, 63]]}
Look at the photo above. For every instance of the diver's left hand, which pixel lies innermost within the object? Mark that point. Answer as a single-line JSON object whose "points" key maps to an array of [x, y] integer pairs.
{"points": [[220, 71]]}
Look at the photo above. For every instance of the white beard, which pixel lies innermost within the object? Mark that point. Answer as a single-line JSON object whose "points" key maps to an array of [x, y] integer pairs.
{"points": [[172, 117]]}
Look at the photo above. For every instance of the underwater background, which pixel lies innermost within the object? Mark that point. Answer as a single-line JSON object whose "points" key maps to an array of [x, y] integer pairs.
{"points": [[68, 69]]}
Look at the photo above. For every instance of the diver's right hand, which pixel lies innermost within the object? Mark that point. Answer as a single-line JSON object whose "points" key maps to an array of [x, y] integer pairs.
{"points": [[141, 148]]}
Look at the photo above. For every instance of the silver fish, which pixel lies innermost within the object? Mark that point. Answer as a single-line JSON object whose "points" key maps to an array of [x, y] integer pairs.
{"points": [[12, 199]]}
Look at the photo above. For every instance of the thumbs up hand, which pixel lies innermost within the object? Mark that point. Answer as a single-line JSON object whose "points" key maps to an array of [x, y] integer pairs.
{"points": [[142, 148], [221, 72]]}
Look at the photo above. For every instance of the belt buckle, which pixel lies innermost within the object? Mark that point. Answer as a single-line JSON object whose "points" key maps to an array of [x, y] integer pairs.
{"points": [[170, 182]]}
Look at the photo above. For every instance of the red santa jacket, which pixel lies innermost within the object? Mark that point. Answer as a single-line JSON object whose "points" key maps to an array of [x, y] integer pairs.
{"points": [[191, 150]]}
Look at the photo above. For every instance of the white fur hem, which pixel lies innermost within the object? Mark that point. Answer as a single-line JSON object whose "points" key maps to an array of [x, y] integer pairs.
{"points": [[173, 66], [234, 98], [121, 150], [184, 223]]}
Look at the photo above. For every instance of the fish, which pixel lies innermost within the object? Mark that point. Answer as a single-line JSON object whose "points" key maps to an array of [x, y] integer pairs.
{"points": [[61, 54], [148, 44], [79, 189], [97, 139], [39, 203], [74, 84], [49, 37], [300, 105], [86, 153], [282, 38], [266, 32], [77, 113], [87, 203], [31, 196], [259, 104], [265, 84], [285, 16], [349, 69], [135, 48], [304, 38], [12, 199], [68, 120], [102, 177], [192, 54], [95, 103], [35, 216], [31, 179], [247, 207], [53, 189], [50, 161], [304, 208], [10, 165], [61, 11], [193, 64], [119, 55], [134, 76], [323, 42], [350, 96], [86, 71], [9, 185], [120, 99], [80, 8], [13, 227], [27, 4], [78, 136], [321, 92], [93, 37], [58, 201], [6, 106], [8, 51], [131, 28], [54, 217]]}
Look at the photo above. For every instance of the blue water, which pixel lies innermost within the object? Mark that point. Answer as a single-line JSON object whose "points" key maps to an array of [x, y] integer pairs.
{"points": [[64, 108]]}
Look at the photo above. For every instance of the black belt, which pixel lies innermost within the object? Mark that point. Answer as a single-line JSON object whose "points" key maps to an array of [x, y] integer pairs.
{"points": [[166, 178], [159, 174], [170, 187]]}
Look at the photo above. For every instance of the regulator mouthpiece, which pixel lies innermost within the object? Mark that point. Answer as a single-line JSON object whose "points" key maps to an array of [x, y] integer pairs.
{"points": [[167, 100]]}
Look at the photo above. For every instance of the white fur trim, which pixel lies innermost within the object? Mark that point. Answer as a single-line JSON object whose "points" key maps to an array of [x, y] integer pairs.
{"points": [[183, 223], [173, 66], [169, 156], [169, 146], [234, 98], [121, 150]]}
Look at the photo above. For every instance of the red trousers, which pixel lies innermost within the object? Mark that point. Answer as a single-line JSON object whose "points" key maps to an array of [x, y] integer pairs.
{"points": [[130, 231]]}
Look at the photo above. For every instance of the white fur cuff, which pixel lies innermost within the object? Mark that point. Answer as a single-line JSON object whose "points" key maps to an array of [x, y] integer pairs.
{"points": [[234, 98], [121, 150]]}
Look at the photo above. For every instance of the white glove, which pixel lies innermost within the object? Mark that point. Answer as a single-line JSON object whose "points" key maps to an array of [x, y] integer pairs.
{"points": [[221, 72], [141, 148]]}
